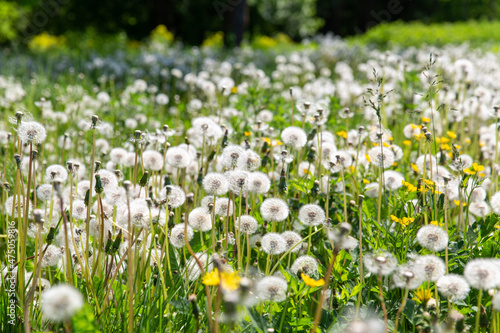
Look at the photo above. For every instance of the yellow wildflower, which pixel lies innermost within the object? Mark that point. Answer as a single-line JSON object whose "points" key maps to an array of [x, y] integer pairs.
{"points": [[425, 119], [407, 142], [451, 134], [423, 295], [342, 134], [311, 282], [234, 90], [211, 278], [414, 167], [368, 158], [366, 181], [248, 133]]}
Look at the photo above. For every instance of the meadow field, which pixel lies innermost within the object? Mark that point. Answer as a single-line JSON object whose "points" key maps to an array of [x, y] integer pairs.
{"points": [[329, 186]]}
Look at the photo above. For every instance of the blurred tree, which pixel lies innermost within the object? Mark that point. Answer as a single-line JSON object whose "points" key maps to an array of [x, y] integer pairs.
{"points": [[192, 21]]}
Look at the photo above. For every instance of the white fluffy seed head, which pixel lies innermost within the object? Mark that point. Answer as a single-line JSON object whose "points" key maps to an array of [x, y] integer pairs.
{"points": [[274, 209], [44, 192], [175, 195], [273, 243], [178, 157], [393, 180], [432, 237], [246, 224], [272, 288], [61, 302], [108, 180], [118, 155], [215, 184], [177, 235], [381, 157], [482, 273], [248, 161], [200, 219], [454, 287], [258, 182], [152, 160], [433, 267], [380, 262], [410, 276], [231, 155], [294, 136], [223, 207], [79, 210], [32, 132], [291, 239], [305, 264], [56, 172], [311, 215]]}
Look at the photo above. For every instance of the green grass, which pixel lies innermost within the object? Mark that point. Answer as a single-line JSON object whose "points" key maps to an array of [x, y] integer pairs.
{"points": [[416, 34]]}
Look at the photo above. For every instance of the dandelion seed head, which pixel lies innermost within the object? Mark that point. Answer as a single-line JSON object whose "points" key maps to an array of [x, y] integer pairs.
{"points": [[231, 155], [305, 264], [237, 181], [55, 173], [454, 287], [479, 208], [482, 273], [248, 160], [223, 207], [272, 288], [258, 182], [381, 157], [273, 243], [274, 209], [61, 302], [177, 235], [291, 239], [79, 210], [432, 237], [175, 195], [393, 180], [409, 275], [178, 157], [152, 160], [294, 136], [31, 132], [380, 262], [433, 267], [200, 219], [44, 192], [215, 184], [311, 215], [52, 255], [246, 224], [109, 180]]}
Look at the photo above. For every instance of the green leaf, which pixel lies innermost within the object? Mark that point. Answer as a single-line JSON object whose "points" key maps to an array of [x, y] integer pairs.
{"points": [[84, 321]]}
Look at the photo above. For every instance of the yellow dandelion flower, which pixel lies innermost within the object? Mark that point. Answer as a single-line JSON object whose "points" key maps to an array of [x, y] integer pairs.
{"points": [[211, 278], [230, 281], [467, 140], [414, 167], [311, 282], [407, 142], [423, 295], [368, 158], [477, 167], [425, 119], [247, 133], [234, 90], [366, 181], [342, 134], [451, 134]]}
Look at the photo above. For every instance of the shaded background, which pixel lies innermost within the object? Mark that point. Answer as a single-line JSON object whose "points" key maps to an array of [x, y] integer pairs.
{"points": [[191, 21]]}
